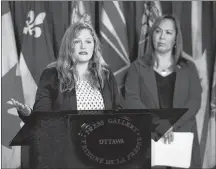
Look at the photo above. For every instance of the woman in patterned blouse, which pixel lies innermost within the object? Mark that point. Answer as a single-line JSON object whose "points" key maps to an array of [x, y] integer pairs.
{"points": [[78, 80]]}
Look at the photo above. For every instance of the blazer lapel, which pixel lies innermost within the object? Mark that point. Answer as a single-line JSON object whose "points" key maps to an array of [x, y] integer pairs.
{"points": [[72, 104], [73, 100], [69, 101], [150, 81], [107, 94], [180, 87]]}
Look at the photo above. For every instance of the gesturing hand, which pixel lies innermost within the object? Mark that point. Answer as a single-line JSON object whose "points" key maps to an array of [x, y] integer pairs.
{"points": [[23, 109]]}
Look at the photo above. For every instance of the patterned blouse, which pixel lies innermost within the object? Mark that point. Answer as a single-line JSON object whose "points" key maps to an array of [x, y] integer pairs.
{"points": [[88, 98]]}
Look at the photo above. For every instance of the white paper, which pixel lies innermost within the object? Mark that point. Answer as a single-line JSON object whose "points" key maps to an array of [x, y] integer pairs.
{"points": [[176, 154]]}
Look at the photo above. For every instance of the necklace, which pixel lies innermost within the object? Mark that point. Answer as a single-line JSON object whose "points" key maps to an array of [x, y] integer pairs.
{"points": [[164, 71]]}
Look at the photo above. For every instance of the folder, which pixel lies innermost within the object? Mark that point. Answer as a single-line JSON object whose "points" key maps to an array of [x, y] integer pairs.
{"points": [[176, 154]]}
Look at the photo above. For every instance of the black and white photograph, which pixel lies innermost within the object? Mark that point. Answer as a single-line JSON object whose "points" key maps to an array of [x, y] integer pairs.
{"points": [[108, 84]]}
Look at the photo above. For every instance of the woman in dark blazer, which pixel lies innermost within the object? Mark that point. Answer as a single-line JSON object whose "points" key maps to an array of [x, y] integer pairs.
{"points": [[164, 79], [79, 80], [79, 71]]}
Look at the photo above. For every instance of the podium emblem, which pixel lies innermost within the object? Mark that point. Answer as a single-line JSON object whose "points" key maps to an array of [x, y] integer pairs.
{"points": [[110, 141]]}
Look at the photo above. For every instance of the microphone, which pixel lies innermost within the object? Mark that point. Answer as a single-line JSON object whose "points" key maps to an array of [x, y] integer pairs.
{"points": [[100, 86]]}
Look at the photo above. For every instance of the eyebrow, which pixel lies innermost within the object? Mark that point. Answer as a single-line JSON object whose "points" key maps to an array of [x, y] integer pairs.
{"points": [[166, 29], [86, 38]]}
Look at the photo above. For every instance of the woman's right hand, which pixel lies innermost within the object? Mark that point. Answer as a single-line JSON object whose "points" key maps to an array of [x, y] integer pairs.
{"points": [[23, 109]]}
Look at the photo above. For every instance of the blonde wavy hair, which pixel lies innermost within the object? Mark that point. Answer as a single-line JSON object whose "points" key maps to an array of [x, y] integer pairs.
{"points": [[66, 62]]}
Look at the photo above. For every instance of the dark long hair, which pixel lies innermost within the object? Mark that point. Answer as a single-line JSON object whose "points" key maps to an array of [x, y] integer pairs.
{"points": [[66, 62], [149, 57]]}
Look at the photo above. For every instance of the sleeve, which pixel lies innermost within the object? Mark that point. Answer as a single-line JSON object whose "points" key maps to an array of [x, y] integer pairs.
{"points": [[23, 118], [132, 89], [194, 101], [46, 91], [44, 94], [118, 100]]}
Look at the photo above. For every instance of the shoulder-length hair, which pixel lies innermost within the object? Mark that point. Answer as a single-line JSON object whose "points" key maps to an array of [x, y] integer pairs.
{"points": [[66, 62], [149, 57]]}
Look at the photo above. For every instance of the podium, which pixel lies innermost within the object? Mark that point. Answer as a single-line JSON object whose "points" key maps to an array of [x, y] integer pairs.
{"points": [[112, 139]]}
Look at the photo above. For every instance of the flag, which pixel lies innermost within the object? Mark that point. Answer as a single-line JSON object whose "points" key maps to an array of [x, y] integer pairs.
{"points": [[11, 88], [152, 10], [210, 153], [196, 20], [192, 44], [39, 28], [35, 49], [213, 94], [58, 16], [83, 11], [114, 41], [36, 46]]}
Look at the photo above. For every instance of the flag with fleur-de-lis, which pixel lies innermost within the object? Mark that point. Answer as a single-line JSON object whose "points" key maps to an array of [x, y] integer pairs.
{"points": [[39, 28], [35, 47]]}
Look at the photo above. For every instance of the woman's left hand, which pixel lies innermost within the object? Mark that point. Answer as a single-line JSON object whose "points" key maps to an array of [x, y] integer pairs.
{"points": [[168, 136]]}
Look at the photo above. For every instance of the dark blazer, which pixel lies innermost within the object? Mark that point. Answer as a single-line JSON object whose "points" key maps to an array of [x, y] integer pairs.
{"points": [[141, 93], [49, 97], [141, 89]]}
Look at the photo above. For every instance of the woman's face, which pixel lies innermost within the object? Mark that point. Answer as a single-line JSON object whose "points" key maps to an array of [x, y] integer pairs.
{"points": [[84, 46], [164, 36]]}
